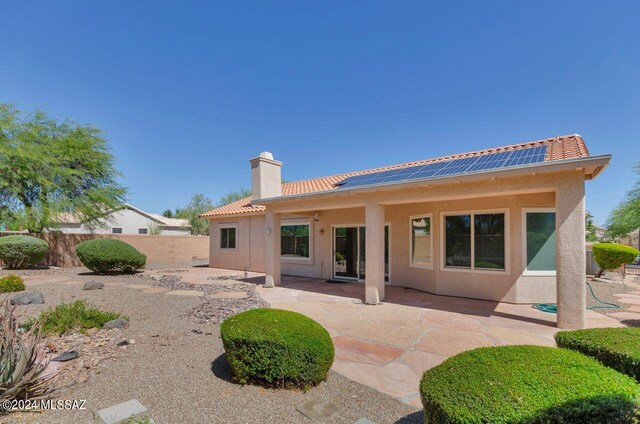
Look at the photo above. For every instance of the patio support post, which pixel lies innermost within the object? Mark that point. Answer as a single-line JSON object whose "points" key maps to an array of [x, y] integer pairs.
{"points": [[570, 252], [272, 249], [374, 256]]}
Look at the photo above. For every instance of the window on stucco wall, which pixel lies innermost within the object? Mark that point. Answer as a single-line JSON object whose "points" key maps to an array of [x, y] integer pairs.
{"points": [[421, 241], [228, 238], [294, 241], [475, 241], [540, 248]]}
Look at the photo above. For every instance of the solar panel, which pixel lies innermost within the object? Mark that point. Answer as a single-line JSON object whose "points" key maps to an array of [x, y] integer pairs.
{"points": [[510, 159]]}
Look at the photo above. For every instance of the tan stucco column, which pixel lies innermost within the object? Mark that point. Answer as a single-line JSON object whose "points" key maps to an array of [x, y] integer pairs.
{"points": [[374, 256], [272, 249], [570, 252]]}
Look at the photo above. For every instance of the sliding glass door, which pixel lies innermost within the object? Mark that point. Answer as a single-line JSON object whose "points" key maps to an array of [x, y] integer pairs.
{"points": [[349, 249]]}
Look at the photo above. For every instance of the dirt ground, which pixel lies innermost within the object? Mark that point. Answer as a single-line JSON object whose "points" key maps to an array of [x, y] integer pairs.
{"points": [[179, 374]]}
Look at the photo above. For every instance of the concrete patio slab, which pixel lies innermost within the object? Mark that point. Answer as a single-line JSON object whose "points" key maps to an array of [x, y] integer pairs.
{"points": [[389, 346]]}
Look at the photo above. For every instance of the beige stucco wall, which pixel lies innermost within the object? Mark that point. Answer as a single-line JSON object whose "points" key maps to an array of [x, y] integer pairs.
{"points": [[159, 250], [510, 286], [249, 251]]}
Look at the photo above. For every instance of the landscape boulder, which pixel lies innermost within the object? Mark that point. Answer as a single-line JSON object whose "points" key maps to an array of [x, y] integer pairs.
{"points": [[27, 298]]}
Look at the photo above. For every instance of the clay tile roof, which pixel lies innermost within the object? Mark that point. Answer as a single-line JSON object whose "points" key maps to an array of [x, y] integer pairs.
{"points": [[558, 148]]}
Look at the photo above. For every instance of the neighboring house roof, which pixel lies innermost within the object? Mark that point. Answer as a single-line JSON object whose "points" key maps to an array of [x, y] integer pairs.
{"points": [[171, 222], [558, 148], [70, 218]]}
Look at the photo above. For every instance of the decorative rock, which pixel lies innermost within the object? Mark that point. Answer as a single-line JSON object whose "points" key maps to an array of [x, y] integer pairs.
{"points": [[27, 298], [66, 356], [91, 331], [92, 285], [116, 323]]}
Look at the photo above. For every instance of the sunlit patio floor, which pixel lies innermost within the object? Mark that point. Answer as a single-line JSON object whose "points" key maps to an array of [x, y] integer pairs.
{"points": [[389, 346]]}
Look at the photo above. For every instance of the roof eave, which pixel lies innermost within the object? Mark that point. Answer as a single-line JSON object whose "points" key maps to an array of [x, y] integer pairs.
{"points": [[593, 164], [227, 215]]}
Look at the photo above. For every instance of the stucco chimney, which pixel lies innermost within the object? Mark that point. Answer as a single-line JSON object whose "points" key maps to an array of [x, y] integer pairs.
{"points": [[266, 176]]}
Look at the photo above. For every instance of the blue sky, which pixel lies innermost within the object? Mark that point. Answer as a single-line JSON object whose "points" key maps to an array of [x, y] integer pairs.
{"points": [[186, 92]]}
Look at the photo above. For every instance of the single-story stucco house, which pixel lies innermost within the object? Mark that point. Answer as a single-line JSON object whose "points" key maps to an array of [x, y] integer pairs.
{"points": [[503, 224], [125, 220]]}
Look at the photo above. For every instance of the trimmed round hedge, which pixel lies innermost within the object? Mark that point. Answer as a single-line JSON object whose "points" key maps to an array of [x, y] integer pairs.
{"points": [[618, 348], [527, 384], [11, 283], [274, 347], [610, 256], [109, 255], [22, 251]]}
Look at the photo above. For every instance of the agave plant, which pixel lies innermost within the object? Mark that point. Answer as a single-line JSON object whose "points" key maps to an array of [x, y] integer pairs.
{"points": [[22, 359]]}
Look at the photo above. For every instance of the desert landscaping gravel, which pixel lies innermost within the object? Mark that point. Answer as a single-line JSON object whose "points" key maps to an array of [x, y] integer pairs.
{"points": [[181, 375]]}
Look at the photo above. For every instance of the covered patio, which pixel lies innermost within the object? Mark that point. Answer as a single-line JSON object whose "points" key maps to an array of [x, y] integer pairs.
{"points": [[390, 345], [509, 198]]}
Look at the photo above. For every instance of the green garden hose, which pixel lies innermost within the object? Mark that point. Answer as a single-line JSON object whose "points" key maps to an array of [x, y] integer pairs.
{"points": [[552, 308]]}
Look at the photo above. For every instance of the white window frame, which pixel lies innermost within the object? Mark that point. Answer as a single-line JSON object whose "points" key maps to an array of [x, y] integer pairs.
{"points": [[473, 269], [227, 225], [411, 218], [525, 271], [293, 259]]}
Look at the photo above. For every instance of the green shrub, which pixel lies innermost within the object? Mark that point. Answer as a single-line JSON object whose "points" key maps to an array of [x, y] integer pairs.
{"points": [[76, 316], [109, 255], [610, 256], [527, 384], [11, 283], [618, 348], [277, 348], [22, 251]]}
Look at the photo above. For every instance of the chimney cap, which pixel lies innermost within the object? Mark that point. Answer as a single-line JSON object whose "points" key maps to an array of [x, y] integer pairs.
{"points": [[266, 157]]}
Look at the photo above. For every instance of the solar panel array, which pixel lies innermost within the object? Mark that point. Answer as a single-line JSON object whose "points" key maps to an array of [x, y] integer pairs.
{"points": [[510, 159]]}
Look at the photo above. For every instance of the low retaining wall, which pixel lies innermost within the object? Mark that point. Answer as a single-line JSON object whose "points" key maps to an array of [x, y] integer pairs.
{"points": [[159, 249]]}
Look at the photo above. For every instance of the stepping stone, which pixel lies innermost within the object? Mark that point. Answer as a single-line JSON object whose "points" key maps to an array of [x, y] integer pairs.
{"points": [[137, 286], [155, 290], [363, 420], [192, 293], [122, 411], [318, 410], [230, 295]]}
